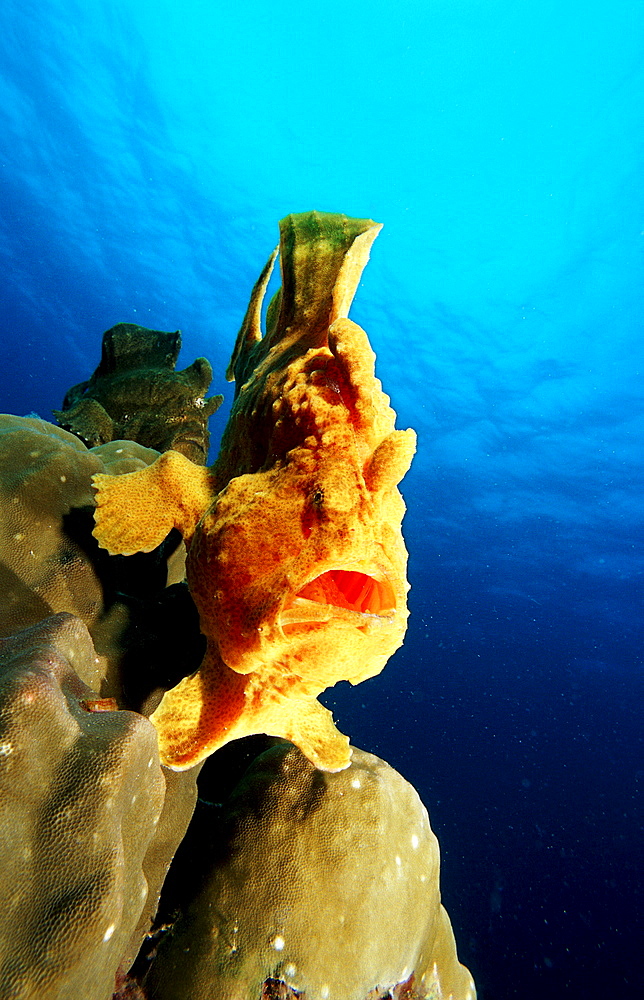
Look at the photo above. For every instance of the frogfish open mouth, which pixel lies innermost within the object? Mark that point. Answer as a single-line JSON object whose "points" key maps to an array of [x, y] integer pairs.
{"points": [[296, 560]]}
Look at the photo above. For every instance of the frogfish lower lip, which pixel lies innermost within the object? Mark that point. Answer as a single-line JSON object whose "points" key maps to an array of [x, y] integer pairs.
{"points": [[340, 594]]}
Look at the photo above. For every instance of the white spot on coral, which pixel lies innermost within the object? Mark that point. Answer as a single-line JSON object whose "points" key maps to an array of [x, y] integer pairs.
{"points": [[34, 454], [414, 841], [18, 537], [119, 451], [355, 783], [278, 942], [290, 969], [63, 479], [199, 402], [324, 991], [108, 933], [6, 749], [398, 861], [423, 878]]}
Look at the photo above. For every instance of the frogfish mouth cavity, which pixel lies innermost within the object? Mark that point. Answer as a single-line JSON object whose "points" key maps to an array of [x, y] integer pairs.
{"points": [[295, 555], [340, 593]]}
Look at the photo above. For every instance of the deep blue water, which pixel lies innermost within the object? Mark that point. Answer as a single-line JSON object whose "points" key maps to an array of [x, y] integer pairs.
{"points": [[147, 151]]}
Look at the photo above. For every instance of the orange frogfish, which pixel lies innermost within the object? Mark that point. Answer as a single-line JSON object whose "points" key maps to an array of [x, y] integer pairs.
{"points": [[296, 560]]}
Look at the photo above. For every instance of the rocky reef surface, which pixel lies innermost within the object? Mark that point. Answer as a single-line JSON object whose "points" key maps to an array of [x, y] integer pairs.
{"points": [[257, 855]]}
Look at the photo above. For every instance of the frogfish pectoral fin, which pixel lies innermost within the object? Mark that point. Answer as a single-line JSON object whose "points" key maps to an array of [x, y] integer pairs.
{"points": [[310, 726], [217, 705], [135, 512], [200, 714]]}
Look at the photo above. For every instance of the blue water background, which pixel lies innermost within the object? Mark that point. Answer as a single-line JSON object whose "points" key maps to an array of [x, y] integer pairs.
{"points": [[147, 151]]}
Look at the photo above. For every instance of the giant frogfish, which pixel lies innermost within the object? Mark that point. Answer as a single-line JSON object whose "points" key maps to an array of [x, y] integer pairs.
{"points": [[295, 556]]}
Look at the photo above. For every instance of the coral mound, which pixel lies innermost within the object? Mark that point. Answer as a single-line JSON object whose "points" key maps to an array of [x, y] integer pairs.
{"points": [[81, 792], [325, 882]]}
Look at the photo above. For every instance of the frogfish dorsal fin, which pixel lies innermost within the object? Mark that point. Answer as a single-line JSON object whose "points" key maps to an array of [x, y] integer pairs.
{"points": [[322, 256]]}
